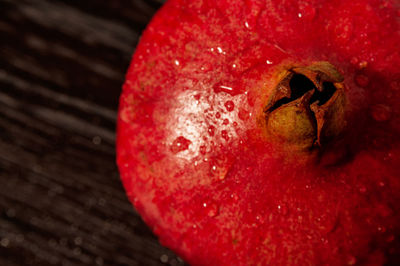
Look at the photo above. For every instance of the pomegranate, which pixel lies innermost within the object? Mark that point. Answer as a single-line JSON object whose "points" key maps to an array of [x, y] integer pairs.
{"points": [[266, 132]]}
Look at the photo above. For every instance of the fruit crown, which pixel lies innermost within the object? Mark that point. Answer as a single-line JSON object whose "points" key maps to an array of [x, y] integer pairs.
{"points": [[306, 108]]}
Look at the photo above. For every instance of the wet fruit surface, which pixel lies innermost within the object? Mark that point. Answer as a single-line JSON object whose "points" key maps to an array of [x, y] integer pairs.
{"points": [[195, 149]]}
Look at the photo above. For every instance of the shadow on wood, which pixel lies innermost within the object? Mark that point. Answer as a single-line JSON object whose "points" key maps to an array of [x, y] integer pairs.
{"points": [[61, 69]]}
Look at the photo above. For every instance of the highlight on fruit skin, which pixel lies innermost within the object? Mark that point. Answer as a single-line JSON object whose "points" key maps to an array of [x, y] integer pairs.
{"points": [[267, 132]]}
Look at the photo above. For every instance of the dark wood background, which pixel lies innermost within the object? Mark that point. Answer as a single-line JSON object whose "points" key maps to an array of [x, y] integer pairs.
{"points": [[62, 64]]}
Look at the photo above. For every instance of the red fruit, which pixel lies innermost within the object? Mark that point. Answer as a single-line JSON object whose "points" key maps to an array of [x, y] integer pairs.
{"points": [[267, 132]]}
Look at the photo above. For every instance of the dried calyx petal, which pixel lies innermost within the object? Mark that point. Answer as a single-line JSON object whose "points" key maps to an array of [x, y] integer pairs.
{"points": [[306, 109]]}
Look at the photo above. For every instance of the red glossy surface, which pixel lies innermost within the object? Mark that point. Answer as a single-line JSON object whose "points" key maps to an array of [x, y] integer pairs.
{"points": [[194, 159]]}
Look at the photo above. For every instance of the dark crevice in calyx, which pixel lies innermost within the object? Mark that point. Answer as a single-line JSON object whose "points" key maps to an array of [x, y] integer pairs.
{"points": [[300, 85], [328, 89]]}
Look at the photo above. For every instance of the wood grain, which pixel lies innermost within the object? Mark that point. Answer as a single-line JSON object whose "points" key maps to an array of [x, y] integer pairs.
{"points": [[62, 65]]}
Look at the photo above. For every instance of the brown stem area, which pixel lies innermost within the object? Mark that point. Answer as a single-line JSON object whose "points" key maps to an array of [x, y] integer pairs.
{"points": [[306, 109]]}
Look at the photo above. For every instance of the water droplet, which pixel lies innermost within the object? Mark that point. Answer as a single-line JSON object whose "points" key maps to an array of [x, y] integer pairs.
{"points": [[361, 80], [102, 202], [299, 15], [213, 211], [269, 62], [135, 201], [261, 219], [282, 209], [63, 242], [78, 241], [211, 208], [211, 130], [164, 258], [234, 196], [10, 213], [229, 105], [177, 62], [390, 238], [77, 251], [243, 114], [174, 262], [96, 140], [225, 135], [4, 242], [99, 261], [203, 149], [225, 122], [324, 240], [362, 64], [180, 144], [354, 60], [126, 114], [20, 238], [394, 85], [351, 260], [380, 112], [224, 87], [381, 184], [219, 167], [246, 24], [381, 229], [384, 210]]}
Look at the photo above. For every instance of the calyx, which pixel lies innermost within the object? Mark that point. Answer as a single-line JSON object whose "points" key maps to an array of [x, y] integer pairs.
{"points": [[306, 109]]}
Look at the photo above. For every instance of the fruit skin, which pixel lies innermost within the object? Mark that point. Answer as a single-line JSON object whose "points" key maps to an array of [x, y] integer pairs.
{"points": [[195, 161]]}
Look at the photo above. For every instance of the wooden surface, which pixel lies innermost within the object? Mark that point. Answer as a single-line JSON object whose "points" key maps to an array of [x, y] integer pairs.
{"points": [[62, 65]]}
